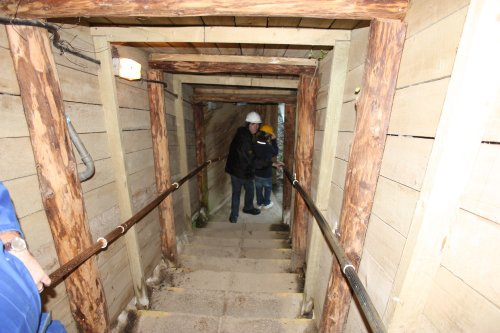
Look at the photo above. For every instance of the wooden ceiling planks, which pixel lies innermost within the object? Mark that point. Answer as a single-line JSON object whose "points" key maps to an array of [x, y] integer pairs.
{"points": [[340, 9]]}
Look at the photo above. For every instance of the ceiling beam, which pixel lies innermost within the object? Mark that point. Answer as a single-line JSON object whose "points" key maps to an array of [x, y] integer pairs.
{"points": [[238, 81], [231, 35], [228, 67], [328, 9], [156, 57], [253, 98]]}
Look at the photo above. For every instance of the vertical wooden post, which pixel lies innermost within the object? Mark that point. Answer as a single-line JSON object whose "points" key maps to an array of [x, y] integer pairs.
{"points": [[162, 163], [336, 83], [109, 100], [288, 150], [56, 167], [373, 113], [306, 117], [183, 158], [199, 131]]}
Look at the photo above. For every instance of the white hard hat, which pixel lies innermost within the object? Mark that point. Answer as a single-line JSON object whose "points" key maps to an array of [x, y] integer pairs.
{"points": [[253, 117]]}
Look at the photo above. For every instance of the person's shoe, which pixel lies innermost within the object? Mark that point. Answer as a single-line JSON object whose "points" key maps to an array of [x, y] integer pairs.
{"points": [[269, 206], [232, 220], [253, 211]]}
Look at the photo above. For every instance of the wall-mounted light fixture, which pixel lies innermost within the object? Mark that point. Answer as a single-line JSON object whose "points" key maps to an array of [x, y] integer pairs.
{"points": [[124, 67], [127, 68]]}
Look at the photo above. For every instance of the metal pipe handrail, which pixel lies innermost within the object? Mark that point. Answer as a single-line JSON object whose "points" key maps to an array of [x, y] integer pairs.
{"points": [[102, 242], [347, 268]]}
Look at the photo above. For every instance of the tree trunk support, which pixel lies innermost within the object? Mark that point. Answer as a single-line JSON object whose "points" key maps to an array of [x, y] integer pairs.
{"points": [[161, 155], [373, 113], [57, 172], [288, 149], [303, 165]]}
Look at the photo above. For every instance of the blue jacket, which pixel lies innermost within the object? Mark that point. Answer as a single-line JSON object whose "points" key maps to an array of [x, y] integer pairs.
{"points": [[264, 153], [20, 305]]}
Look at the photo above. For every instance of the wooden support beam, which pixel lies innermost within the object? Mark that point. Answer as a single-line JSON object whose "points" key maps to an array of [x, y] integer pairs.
{"points": [[373, 113], [223, 35], [205, 67], [238, 81], [336, 83], [256, 60], [57, 173], [340, 9], [181, 139], [199, 132], [306, 117], [162, 163], [234, 98], [288, 158], [109, 99]]}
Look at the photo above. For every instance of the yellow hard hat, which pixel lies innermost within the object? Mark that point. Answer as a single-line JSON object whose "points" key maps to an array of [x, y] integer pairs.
{"points": [[267, 128]]}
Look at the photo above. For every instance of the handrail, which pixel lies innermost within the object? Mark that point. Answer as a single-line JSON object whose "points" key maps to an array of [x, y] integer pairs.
{"points": [[102, 242], [347, 268]]}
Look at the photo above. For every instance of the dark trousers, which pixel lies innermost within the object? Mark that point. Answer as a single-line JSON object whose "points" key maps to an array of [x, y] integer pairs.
{"points": [[263, 187], [236, 184]]}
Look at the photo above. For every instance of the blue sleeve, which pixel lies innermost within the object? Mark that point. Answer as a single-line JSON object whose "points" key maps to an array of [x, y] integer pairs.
{"points": [[8, 219]]}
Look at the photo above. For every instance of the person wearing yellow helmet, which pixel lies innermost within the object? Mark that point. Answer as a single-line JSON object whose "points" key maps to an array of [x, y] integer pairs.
{"points": [[265, 148]]}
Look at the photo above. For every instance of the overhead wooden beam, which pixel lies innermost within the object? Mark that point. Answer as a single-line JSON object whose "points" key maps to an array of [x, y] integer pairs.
{"points": [[158, 57], [339, 9], [253, 98], [306, 117], [178, 67], [56, 167], [244, 91], [280, 36], [161, 155], [373, 113], [238, 81]]}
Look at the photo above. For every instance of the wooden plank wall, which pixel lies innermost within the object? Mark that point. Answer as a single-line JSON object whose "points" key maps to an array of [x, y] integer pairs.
{"points": [[80, 90]]}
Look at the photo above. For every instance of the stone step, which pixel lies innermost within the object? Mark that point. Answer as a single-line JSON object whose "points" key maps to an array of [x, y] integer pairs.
{"points": [[245, 242], [159, 321], [227, 303], [236, 252], [227, 233], [235, 264], [236, 281], [247, 226]]}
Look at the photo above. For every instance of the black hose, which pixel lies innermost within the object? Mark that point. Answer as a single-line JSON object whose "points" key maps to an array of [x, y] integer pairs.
{"points": [[56, 39]]}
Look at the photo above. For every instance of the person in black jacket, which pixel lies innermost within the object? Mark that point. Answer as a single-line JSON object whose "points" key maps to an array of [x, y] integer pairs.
{"points": [[240, 165]]}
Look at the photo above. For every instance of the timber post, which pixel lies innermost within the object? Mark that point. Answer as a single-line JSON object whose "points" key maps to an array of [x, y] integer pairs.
{"points": [[199, 132], [306, 117], [288, 150], [385, 48], [161, 155], [57, 171]]}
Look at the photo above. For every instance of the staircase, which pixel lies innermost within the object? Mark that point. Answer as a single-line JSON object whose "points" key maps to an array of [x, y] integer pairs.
{"points": [[234, 278]]}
